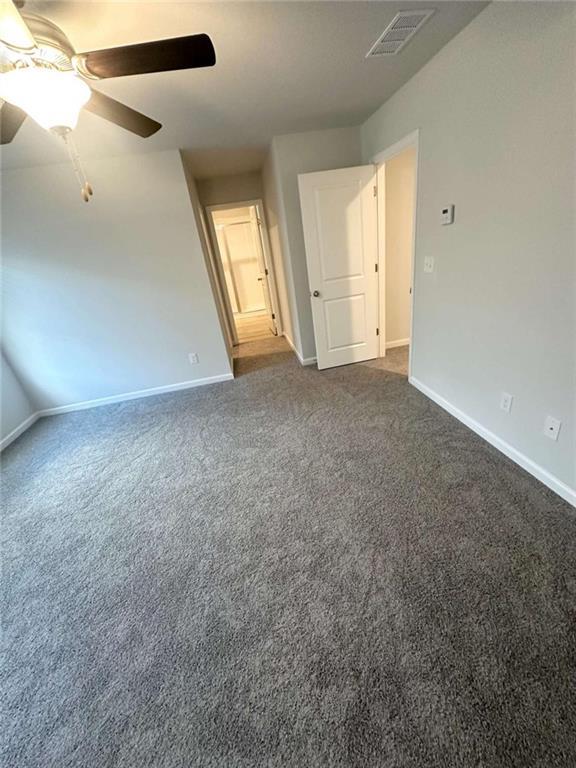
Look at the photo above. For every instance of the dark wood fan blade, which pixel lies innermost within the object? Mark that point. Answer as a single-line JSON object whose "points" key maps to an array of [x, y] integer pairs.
{"points": [[11, 118], [158, 56], [121, 115]]}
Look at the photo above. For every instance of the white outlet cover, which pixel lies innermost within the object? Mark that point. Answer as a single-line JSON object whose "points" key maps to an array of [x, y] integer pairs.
{"points": [[193, 357], [552, 427], [429, 264], [506, 402]]}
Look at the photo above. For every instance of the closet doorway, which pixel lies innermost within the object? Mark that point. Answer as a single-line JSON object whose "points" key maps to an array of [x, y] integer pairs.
{"points": [[244, 268]]}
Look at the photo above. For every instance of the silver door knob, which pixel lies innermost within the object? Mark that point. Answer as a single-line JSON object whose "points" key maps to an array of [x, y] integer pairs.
{"points": [[316, 293]]}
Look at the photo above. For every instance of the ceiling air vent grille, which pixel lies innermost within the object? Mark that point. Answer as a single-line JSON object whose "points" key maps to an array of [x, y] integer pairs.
{"points": [[401, 29]]}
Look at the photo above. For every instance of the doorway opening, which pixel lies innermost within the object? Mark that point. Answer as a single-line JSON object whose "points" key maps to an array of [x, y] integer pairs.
{"points": [[359, 225], [396, 176], [244, 270]]}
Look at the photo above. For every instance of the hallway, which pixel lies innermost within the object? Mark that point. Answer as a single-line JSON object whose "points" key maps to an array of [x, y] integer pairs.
{"points": [[253, 326]]}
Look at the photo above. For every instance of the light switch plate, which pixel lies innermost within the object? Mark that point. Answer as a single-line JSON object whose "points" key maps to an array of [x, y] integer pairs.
{"points": [[193, 357], [447, 216], [506, 402], [429, 264]]}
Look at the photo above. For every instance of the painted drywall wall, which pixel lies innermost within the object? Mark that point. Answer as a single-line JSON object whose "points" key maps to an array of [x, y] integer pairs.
{"points": [[17, 408], [109, 297], [210, 256], [282, 271], [495, 110], [303, 153], [399, 174], [230, 189]]}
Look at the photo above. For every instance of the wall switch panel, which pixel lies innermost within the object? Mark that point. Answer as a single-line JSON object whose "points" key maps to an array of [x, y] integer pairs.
{"points": [[506, 402], [552, 427], [193, 357], [447, 216], [429, 264]]}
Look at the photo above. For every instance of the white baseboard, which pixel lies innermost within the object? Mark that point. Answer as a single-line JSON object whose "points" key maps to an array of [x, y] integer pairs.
{"points": [[26, 424], [397, 343], [301, 360], [556, 485], [135, 395], [108, 401]]}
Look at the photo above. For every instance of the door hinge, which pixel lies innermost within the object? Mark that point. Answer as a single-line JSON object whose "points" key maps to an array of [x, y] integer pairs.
{"points": [[375, 267], [377, 331], [273, 316], [375, 191], [266, 272]]}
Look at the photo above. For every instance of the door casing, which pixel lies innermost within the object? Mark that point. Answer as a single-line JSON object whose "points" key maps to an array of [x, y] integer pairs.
{"points": [[379, 160]]}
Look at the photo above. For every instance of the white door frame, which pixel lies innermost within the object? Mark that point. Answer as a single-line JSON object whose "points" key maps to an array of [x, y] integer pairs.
{"points": [[267, 256], [380, 159]]}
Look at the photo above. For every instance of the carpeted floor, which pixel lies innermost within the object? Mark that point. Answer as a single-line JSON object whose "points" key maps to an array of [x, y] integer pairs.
{"points": [[296, 569], [396, 361]]}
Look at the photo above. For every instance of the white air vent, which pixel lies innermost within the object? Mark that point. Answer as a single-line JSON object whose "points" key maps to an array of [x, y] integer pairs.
{"points": [[401, 29]]}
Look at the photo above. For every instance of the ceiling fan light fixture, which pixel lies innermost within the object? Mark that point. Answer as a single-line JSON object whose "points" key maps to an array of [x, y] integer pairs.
{"points": [[51, 97], [13, 31]]}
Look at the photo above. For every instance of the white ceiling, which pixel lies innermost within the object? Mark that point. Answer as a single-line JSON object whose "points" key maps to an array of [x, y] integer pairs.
{"points": [[281, 67]]}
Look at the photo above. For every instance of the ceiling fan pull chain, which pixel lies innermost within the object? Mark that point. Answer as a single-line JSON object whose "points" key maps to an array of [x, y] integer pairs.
{"points": [[85, 188]]}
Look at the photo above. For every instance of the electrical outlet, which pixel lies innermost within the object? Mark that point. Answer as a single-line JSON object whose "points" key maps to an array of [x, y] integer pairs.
{"points": [[506, 402], [552, 427], [193, 357], [429, 264]]}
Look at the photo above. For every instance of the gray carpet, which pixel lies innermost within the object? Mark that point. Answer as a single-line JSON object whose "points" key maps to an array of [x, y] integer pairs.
{"points": [[297, 568], [396, 361]]}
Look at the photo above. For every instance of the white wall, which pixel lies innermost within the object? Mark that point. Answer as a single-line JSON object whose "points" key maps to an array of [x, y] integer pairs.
{"points": [[210, 256], [495, 109], [108, 297], [282, 271], [17, 408], [302, 153], [230, 189], [400, 175]]}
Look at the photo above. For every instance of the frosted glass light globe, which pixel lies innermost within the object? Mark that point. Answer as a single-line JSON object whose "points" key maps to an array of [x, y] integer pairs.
{"points": [[52, 98]]}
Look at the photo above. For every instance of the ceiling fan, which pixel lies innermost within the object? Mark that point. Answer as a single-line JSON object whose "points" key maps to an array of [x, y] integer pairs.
{"points": [[41, 76]]}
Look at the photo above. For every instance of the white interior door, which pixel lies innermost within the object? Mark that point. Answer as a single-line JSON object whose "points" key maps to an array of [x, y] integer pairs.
{"points": [[245, 269], [339, 216]]}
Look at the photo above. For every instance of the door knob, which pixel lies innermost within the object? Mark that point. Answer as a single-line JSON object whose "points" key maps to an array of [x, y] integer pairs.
{"points": [[316, 293]]}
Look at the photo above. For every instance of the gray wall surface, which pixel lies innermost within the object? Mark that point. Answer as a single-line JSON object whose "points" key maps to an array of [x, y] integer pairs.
{"points": [[109, 297], [278, 245], [495, 109], [16, 405], [229, 189], [200, 217], [291, 155]]}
